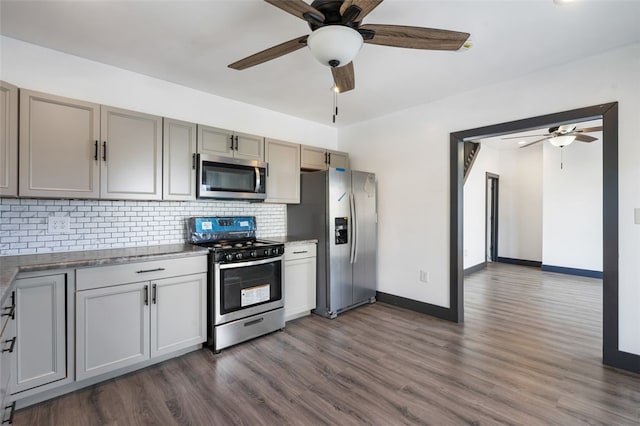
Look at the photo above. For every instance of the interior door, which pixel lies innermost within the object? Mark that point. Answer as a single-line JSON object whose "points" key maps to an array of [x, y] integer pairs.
{"points": [[366, 236], [340, 281]]}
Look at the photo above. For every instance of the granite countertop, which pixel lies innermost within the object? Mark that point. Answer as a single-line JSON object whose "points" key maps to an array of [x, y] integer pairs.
{"points": [[10, 266], [293, 241]]}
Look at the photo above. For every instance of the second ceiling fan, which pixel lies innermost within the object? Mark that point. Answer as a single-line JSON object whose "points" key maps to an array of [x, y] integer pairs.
{"points": [[337, 35]]}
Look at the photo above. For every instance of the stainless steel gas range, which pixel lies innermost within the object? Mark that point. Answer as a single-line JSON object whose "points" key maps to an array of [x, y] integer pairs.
{"points": [[246, 279]]}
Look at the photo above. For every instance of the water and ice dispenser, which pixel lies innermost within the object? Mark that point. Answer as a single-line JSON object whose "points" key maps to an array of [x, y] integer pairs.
{"points": [[342, 227]]}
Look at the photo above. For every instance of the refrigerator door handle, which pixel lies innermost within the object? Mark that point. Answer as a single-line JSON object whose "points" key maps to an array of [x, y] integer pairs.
{"points": [[354, 229]]}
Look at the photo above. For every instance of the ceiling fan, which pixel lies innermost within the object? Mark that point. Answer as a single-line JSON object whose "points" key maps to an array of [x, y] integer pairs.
{"points": [[562, 136], [337, 35]]}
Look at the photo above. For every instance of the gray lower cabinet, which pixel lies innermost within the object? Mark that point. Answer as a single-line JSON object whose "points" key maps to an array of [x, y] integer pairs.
{"points": [[221, 142], [59, 147], [314, 158], [40, 355], [130, 313], [131, 163], [8, 140], [7, 343], [299, 279], [283, 172], [179, 160]]}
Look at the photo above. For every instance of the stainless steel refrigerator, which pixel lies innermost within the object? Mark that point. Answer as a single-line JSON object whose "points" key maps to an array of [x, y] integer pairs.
{"points": [[338, 208]]}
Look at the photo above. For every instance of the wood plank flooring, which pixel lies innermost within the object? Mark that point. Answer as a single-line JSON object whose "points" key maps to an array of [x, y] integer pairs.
{"points": [[528, 354]]}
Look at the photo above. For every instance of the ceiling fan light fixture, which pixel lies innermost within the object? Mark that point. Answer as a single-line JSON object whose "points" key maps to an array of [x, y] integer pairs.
{"points": [[562, 140], [334, 43]]}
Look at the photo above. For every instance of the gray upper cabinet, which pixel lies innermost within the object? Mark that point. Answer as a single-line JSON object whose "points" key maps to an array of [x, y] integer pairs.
{"points": [[179, 165], [58, 147], [131, 163], [213, 141], [8, 140], [314, 158], [283, 172]]}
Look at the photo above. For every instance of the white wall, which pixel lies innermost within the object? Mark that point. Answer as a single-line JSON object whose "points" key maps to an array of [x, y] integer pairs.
{"points": [[474, 215], [32, 67], [414, 175], [520, 204], [572, 206]]}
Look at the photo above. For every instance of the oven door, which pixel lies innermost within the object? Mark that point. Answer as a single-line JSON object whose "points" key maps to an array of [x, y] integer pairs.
{"points": [[247, 288]]}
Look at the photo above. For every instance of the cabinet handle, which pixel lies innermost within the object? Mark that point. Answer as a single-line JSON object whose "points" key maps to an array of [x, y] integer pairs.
{"points": [[104, 150], [329, 156], [144, 271], [193, 161], [255, 321], [300, 252], [154, 297], [231, 147], [12, 308], [95, 151], [13, 343], [267, 169], [236, 148], [325, 158], [146, 295], [13, 410]]}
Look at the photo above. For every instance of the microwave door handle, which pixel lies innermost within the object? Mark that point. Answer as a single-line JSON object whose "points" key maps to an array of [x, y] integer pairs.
{"points": [[257, 170]]}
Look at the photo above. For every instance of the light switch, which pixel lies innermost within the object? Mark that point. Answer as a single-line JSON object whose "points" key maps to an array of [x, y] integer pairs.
{"points": [[637, 210]]}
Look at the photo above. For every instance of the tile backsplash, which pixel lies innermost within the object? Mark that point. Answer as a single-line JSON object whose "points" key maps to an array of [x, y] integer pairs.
{"points": [[97, 224]]}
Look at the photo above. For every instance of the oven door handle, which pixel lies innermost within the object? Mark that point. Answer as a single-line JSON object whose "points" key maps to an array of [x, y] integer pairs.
{"points": [[251, 263]]}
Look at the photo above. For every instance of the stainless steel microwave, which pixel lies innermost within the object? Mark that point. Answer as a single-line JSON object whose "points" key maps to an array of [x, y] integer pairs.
{"points": [[231, 178]]}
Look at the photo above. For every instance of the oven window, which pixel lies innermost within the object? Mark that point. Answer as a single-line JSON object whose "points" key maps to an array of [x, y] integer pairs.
{"points": [[250, 286], [228, 177]]}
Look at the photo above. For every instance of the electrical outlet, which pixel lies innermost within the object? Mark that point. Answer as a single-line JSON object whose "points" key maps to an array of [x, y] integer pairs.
{"points": [[637, 215], [424, 276], [58, 224]]}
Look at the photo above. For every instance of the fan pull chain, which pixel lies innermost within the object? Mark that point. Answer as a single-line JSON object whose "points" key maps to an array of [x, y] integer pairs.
{"points": [[561, 157], [335, 103]]}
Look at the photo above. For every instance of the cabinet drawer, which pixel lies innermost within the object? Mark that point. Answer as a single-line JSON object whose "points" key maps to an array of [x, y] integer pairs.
{"points": [[299, 251], [103, 276]]}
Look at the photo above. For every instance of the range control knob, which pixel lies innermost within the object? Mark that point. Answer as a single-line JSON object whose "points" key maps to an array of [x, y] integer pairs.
{"points": [[254, 253], [276, 250], [229, 257], [267, 252], [239, 256]]}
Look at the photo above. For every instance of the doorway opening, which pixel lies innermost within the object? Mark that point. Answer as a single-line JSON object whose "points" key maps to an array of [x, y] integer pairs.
{"points": [[491, 231], [611, 355]]}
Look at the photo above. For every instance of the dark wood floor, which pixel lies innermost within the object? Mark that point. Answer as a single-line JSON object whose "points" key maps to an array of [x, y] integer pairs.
{"points": [[529, 353]]}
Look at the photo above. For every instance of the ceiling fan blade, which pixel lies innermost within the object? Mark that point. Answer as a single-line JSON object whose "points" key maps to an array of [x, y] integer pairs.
{"points": [[534, 142], [589, 129], [270, 53], [344, 77], [416, 37], [523, 136], [366, 6], [585, 138], [298, 8]]}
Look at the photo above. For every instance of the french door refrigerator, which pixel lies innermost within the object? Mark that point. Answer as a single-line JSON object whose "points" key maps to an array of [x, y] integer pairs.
{"points": [[338, 208]]}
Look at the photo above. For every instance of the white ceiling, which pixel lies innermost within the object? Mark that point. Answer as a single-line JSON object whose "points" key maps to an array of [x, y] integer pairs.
{"points": [[192, 42]]}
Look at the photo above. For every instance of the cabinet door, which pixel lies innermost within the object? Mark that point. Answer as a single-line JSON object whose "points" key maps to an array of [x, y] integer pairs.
{"points": [[300, 287], [283, 172], [338, 159], [112, 328], [312, 158], [178, 313], [7, 336], [131, 164], [249, 147], [179, 165], [40, 351], [8, 140], [58, 147], [212, 141]]}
